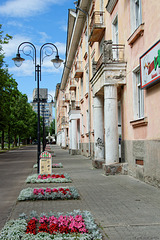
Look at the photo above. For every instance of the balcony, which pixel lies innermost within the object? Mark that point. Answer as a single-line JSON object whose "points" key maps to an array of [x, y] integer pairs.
{"points": [[78, 70], [96, 27], [72, 85], [67, 99], [64, 104], [75, 105], [112, 53]]}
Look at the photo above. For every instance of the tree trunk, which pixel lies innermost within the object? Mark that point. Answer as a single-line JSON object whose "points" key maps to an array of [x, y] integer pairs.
{"points": [[15, 141], [2, 142], [9, 137]]}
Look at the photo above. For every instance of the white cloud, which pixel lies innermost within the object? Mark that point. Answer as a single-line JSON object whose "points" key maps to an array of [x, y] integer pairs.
{"points": [[44, 37], [10, 49], [15, 24], [52, 93], [30, 97], [63, 27], [23, 8], [61, 48], [27, 69]]}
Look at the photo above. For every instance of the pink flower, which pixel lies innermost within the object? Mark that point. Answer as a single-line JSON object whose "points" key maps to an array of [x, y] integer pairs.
{"points": [[48, 190], [35, 191], [41, 190], [55, 190], [78, 218], [43, 219]]}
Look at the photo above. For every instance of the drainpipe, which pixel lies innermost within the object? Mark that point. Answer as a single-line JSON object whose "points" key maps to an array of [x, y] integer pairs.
{"points": [[89, 104]]}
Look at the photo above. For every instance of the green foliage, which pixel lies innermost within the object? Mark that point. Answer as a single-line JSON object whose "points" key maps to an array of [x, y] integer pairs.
{"points": [[17, 117], [52, 127]]}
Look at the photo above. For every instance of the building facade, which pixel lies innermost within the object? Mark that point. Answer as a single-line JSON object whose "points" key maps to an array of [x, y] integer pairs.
{"points": [[110, 87]]}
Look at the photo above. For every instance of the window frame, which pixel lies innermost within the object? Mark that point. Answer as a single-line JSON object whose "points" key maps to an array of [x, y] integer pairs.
{"points": [[135, 14], [138, 95]]}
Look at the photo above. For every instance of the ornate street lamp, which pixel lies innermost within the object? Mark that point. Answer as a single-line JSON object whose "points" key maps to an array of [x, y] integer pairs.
{"points": [[46, 50]]}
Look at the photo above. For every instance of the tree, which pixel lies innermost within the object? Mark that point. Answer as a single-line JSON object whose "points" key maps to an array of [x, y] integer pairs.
{"points": [[23, 119], [52, 127], [4, 78], [8, 91]]}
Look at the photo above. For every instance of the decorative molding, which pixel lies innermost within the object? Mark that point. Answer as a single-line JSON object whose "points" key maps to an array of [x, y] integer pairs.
{"points": [[139, 122]]}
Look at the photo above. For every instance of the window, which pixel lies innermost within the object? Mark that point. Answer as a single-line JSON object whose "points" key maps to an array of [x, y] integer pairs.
{"points": [[81, 87], [138, 95], [87, 81], [87, 116], [136, 15], [115, 30], [82, 127], [115, 37]]}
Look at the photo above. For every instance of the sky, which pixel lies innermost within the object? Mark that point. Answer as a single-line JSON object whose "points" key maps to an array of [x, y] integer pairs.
{"points": [[38, 22]]}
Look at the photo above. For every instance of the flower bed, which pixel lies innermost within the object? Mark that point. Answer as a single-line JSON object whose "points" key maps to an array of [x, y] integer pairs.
{"points": [[50, 178], [54, 165], [75, 225], [48, 193]]}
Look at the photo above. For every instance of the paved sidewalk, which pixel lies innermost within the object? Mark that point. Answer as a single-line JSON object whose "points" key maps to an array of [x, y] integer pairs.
{"points": [[124, 207]]}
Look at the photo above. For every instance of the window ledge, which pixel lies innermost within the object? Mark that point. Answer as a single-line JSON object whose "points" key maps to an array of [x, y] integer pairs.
{"points": [[82, 100], [136, 34], [86, 95], [85, 56], [139, 122]]}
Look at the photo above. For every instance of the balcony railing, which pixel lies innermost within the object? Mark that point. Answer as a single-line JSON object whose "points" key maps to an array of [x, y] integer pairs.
{"points": [[96, 26], [67, 98], [75, 105], [78, 69], [112, 53]]}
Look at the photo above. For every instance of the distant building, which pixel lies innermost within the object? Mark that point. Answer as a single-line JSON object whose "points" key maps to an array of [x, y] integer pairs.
{"points": [[46, 105]]}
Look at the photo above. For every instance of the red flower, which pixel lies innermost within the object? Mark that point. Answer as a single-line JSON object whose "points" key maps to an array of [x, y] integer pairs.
{"points": [[53, 228], [43, 227], [57, 176], [31, 227], [55, 190]]}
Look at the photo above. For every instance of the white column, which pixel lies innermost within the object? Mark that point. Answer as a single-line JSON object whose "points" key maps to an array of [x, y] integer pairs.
{"points": [[63, 137], [98, 129], [70, 135], [74, 134], [58, 139], [111, 124]]}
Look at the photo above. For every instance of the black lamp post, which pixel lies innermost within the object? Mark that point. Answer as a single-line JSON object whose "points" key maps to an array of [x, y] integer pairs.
{"points": [[44, 140], [46, 50]]}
